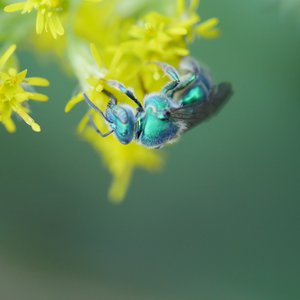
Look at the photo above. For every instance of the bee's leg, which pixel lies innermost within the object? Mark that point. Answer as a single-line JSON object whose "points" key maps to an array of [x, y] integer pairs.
{"points": [[92, 105], [169, 87], [122, 88], [97, 129], [172, 73], [112, 98], [186, 80], [168, 70]]}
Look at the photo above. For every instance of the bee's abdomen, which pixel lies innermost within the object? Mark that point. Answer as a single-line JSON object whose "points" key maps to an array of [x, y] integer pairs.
{"points": [[195, 94]]}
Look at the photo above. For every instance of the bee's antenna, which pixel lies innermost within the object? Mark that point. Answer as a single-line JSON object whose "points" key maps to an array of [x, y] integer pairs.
{"points": [[92, 105]]}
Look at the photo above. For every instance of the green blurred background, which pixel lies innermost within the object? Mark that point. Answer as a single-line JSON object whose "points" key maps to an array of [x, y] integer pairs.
{"points": [[220, 222]]}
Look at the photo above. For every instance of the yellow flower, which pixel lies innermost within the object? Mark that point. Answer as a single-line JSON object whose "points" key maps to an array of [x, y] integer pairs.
{"points": [[125, 37], [120, 160], [167, 36], [124, 55], [47, 14], [14, 93]]}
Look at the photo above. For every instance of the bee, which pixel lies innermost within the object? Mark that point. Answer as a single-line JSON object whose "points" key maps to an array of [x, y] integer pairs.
{"points": [[187, 100]]}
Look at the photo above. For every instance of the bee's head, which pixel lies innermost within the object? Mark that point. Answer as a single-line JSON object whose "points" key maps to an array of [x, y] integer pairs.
{"points": [[122, 120]]}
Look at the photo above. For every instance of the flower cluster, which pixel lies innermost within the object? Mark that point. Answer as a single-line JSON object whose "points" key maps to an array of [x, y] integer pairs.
{"points": [[49, 14], [124, 37], [15, 93], [124, 56]]}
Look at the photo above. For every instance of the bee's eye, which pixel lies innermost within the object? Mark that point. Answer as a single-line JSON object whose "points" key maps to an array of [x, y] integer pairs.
{"points": [[165, 115]]}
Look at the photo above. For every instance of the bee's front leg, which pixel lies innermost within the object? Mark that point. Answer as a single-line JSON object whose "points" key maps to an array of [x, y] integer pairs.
{"points": [[168, 70], [186, 80], [169, 87], [178, 83], [172, 73], [129, 93]]}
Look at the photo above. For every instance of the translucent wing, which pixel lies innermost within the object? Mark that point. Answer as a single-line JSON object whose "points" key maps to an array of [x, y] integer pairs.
{"points": [[196, 113]]}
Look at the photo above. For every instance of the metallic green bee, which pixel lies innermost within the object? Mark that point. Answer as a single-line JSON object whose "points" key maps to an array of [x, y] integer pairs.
{"points": [[183, 103]]}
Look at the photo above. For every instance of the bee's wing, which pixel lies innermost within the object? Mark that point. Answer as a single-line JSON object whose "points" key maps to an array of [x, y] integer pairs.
{"points": [[195, 113]]}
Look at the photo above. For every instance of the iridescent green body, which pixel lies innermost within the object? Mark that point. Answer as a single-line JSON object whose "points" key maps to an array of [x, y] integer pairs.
{"points": [[184, 102], [193, 95], [152, 126]]}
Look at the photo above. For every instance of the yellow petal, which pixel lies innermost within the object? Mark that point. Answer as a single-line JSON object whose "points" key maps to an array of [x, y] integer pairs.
{"points": [[14, 7], [7, 54], [36, 127], [97, 56], [52, 28], [37, 81], [57, 24], [82, 124], [148, 159], [38, 97], [9, 125], [117, 58], [23, 114], [177, 31], [193, 6], [180, 7], [75, 100], [28, 6], [20, 76], [207, 29], [181, 51], [40, 21], [189, 22], [94, 81], [120, 185], [136, 32]]}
